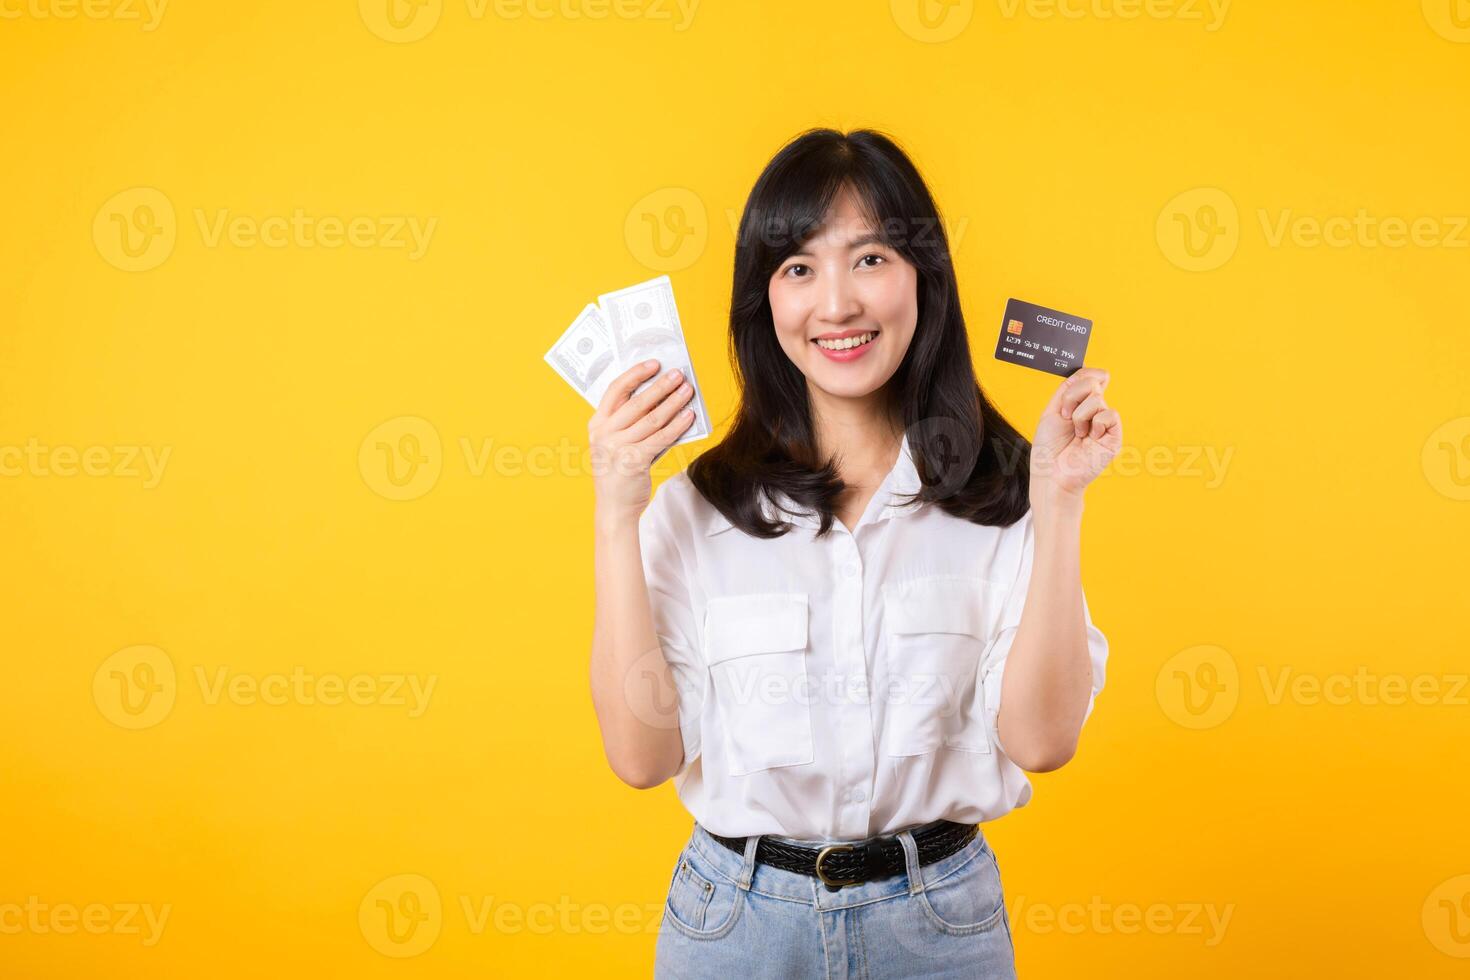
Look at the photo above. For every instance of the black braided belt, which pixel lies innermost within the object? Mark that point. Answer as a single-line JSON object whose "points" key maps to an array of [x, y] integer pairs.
{"points": [[852, 864]]}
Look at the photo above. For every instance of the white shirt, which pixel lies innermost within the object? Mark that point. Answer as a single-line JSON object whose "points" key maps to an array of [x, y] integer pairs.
{"points": [[844, 688]]}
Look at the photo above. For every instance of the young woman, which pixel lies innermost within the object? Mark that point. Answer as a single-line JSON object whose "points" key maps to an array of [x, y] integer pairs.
{"points": [[849, 629]]}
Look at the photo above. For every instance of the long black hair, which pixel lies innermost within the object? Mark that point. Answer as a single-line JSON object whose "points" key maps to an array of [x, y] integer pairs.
{"points": [[972, 462]]}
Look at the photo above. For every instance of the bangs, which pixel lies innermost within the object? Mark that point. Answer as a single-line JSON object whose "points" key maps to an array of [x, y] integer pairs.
{"points": [[800, 212]]}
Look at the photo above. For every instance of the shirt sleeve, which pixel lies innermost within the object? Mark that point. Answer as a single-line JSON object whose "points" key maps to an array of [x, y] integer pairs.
{"points": [[993, 663], [669, 598]]}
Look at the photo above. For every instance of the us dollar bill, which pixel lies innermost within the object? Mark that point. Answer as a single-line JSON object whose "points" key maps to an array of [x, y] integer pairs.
{"points": [[585, 356], [644, 322]]}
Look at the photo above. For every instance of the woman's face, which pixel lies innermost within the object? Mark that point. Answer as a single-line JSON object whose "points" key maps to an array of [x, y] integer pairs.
{"points": [[844, 283]]}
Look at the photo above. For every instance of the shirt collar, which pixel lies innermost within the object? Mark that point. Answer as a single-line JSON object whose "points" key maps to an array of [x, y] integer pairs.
{"points": [[901, 482]]}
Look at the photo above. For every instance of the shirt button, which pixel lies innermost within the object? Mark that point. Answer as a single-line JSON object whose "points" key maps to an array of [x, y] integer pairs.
{"points": [[857, 796], [850, 569]]}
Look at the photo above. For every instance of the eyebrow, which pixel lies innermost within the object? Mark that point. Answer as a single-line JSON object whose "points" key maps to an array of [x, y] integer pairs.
{"points": [[871, 238]]}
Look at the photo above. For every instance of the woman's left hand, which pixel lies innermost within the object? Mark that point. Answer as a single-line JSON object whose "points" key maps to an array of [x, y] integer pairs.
{"points": [[1077, 438]]}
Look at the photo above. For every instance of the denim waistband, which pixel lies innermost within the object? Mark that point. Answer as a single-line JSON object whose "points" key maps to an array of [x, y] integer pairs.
{"points": [[807, 889]]}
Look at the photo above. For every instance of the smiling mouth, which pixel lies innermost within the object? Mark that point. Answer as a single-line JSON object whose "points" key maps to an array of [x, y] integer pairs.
{"points": [[847, 343]]}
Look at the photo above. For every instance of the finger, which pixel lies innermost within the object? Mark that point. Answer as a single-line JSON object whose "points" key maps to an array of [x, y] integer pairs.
{"points": [[638, 405], [660, 414], [1083, 414], [1090, 374], [669, 434], [1107, 429], [1079, 380], [1085, 382], [1054, 404], [1100, 421], [620, 387]]}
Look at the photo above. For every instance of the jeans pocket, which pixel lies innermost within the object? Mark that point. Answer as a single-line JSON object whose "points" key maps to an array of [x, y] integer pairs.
{"points": [[970, 899], [701, 902]]}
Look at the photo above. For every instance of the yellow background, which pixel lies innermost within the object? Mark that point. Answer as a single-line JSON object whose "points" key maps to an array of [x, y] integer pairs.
{"points": [[1332, 378]]}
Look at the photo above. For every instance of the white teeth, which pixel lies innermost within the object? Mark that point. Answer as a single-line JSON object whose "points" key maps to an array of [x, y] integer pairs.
{"points": [[847, 342]]}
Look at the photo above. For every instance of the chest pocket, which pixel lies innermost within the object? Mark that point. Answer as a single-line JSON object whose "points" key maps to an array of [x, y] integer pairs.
{"points": [[936, 630], [756, 647]]}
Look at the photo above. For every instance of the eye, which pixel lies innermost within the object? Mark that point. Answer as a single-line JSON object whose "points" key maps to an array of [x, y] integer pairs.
{"points": [[872, 255], [792, 268]]}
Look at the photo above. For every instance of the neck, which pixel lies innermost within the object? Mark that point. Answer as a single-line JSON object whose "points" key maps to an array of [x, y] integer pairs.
{"points": [[860, 432]]}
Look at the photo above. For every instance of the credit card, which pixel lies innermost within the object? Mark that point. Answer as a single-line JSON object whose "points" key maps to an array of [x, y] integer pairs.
{"points": [[1044, 339]]}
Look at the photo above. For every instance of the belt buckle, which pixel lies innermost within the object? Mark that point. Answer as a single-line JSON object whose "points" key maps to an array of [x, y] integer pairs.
{"points": [[834, 883]]}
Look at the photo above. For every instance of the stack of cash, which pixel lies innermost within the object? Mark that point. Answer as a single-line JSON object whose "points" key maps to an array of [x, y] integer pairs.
{"points": [[619, 330]]}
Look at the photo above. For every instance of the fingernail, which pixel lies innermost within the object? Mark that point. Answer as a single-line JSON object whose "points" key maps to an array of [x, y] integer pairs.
{"points": [[649, 364], [672, 374]]}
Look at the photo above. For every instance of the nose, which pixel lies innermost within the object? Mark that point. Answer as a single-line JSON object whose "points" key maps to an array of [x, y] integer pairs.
{"points": [[838, 302]]}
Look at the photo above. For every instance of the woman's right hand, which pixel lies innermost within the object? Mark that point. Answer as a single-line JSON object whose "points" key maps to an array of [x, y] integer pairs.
{"points": [[627, 433]]}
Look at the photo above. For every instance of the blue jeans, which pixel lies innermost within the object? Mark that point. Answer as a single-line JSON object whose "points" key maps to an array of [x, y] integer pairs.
{"points": [[727, 918]]}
